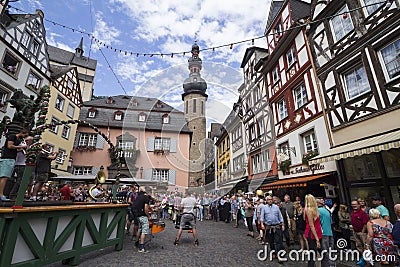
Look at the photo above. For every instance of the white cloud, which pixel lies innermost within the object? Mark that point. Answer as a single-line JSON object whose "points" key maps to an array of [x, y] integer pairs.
{"points": [[51, 40], [105, 32]]}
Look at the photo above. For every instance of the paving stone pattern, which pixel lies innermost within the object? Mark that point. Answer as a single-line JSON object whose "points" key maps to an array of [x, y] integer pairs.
{"points": [[220, 245]]}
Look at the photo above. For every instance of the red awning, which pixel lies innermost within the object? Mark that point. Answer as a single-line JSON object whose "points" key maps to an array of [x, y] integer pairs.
{"points": [[293, 182]]}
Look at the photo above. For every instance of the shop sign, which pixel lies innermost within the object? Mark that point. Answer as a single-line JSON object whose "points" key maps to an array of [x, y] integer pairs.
{"points": [[312, 168]]}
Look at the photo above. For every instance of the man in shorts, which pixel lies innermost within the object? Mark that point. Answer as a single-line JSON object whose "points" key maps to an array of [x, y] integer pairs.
{"points": [[43, 168], [188, 205], [141, 207], [7, 161]]}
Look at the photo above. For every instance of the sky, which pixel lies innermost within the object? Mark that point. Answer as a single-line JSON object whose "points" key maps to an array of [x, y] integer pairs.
{"points": [[162, 27]]}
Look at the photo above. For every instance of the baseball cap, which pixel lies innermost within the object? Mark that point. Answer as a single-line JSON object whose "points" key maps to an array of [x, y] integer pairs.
{"points": [[376, 198]]}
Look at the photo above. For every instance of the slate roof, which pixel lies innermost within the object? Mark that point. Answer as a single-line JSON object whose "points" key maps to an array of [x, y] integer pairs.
{"points": [[66, 58], [260, 53], [215, 130], [57, 71], [299, 9], [154, 115]]}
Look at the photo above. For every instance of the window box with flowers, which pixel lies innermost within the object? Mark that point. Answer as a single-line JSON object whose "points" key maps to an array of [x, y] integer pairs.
{"points": [[284, 166], [86, 148], [308, 156]]}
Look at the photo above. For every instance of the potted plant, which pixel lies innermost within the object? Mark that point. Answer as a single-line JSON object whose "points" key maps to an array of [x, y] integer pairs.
{"points": [[285, 165], [308, 156]]}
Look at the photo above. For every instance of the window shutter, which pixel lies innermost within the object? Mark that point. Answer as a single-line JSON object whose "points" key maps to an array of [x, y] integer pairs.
{"points": [[172, 177], [77, 136], [95, 170], [148, 174], [100, 142], [172, 147], [150, 144]]}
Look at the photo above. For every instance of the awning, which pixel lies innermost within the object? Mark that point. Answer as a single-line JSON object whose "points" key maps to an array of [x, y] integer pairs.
{"points": [[293, 182], [231, 184], [366, 146]]}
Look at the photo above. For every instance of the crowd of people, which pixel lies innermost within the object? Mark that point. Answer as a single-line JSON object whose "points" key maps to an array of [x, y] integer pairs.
{"points": [[310, 224]]}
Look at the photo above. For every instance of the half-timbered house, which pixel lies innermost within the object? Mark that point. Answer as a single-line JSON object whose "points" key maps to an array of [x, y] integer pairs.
{"points": [[356, 46], [64, 104], [292, 94], [256, 116], [24, 59]]}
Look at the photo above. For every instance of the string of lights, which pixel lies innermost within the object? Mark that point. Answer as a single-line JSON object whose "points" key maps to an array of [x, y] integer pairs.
{"points": [[102, 44]]}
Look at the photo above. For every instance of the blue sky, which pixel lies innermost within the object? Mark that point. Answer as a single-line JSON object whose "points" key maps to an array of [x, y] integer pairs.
{"points": [[159, 26]]}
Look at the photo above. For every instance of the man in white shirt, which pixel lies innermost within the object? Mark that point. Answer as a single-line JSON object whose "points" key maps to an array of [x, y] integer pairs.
{"points": [[187, 207]]}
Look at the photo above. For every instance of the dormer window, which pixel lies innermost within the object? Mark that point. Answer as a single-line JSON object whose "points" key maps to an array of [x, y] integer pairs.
{"points": [[118, 115], [142, 117], [165, 119], [134, 103], [278, 31], [92, 113], [159, 104], [110, 100]]}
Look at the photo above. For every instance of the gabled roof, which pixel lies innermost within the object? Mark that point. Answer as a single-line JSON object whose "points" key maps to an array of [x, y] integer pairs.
{"points": [[58, 71], [13, 20], [68, 58], [154, 114], [298, 8], [260, 53]]}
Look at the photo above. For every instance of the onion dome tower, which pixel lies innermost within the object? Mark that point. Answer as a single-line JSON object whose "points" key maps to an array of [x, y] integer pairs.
{"points": [[195, 97]]}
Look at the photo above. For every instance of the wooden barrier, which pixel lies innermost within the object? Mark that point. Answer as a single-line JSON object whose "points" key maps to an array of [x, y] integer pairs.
{"points": [[35, 236]]}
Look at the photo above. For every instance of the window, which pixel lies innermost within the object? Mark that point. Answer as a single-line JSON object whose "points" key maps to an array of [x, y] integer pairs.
{"points": [[310, 142], [372, 5], [261, 162], [291, 56], [341, 24], [161, 175], [82, 170], [3, 98], [256, 94], [202, 107], [162, 144], [33, 81], [62, 154], [284, 149], [165, 119], [194, 105], [278, 31], [70, 111], [87, 139], [92, 113], [70, 84], [10, 63], [275, 75], [261, 126], [26, 39], [142, 117], [253, 132], [118, 116], [249, 102], [35, 47], [390, 56], [186, 107], [300, 96], [60, 103], [282, 111], [238, 163], [54, 128], [66, 131], [127, 149], [356, 82]]}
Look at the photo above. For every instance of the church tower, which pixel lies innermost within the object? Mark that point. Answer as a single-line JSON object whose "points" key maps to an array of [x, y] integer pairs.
{"points": [[195, 97]]}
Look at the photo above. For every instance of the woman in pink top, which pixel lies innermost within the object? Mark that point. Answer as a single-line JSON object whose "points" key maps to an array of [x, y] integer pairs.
{"points": [[313, 230]]}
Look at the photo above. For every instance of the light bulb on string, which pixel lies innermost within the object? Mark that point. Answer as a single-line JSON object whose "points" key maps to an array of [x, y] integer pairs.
{"points": [[231, 46], [345, 16]]}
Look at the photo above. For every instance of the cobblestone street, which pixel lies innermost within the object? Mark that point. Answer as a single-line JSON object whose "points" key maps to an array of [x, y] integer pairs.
{"points": [[220, 245]]}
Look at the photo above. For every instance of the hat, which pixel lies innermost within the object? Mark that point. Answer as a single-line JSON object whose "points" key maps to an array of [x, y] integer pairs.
{"points": [[124, 186], [376, 198]]}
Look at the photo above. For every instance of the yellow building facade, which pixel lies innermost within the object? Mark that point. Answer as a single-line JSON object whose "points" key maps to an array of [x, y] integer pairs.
{"points": [[224, 156], [64, 104]]}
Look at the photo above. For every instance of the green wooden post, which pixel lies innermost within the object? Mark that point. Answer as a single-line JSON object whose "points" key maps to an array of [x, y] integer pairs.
{"points": [[24, 185]]}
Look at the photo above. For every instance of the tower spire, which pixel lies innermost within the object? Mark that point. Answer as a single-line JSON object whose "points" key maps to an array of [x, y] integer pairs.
{"points": [[79, 49]]}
